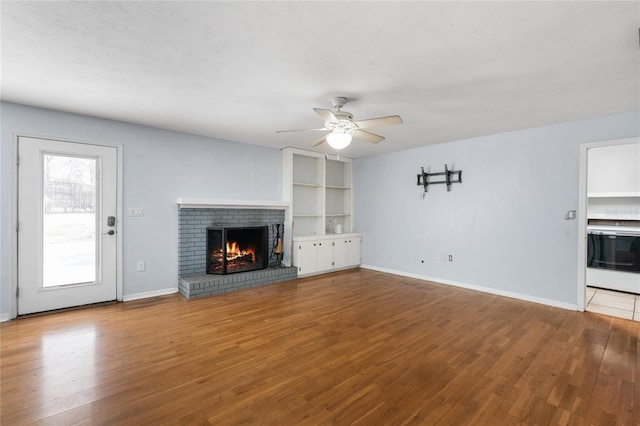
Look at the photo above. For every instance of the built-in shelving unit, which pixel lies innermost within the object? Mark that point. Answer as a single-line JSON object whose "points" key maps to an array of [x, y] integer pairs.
{"points": [[338, 196], [319, 189], [306, 194]]}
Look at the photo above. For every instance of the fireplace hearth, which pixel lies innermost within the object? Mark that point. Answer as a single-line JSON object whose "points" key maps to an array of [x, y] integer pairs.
{"points": [[237, 249], [193, 222]]}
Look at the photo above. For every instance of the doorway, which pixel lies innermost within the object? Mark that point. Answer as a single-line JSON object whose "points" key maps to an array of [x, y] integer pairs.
{"points": [[67, 232], [609, 222]]}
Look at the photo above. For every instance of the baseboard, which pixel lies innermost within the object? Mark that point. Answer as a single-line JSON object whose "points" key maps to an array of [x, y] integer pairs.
{"points": [[495, 291], [127, 298], [136, 296]]}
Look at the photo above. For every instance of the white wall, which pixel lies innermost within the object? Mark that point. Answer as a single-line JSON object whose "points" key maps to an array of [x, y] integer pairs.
{"points": [[504, 225], [159, 167]]}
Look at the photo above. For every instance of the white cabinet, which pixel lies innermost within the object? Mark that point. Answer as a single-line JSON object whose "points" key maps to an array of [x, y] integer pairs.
{"points": [[613, 179], [614, 171], [315, 255], [346, 251], [312, 256]]}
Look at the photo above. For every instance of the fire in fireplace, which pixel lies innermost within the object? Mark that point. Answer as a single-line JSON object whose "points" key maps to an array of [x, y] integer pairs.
{"points": [[239, 249]]}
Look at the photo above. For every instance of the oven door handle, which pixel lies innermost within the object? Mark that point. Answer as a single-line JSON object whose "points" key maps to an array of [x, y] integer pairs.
{"points": [[613, 234]]}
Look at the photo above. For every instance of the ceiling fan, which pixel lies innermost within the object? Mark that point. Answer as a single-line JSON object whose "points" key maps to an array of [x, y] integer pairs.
{"points": [[342, 128]]}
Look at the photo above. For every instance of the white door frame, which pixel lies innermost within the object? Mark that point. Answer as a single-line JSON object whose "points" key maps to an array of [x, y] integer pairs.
{"points": [[13, 213], [582, 212]]}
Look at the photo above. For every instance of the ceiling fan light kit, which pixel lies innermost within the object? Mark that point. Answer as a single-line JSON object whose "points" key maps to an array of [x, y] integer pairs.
{"points": [[338, 140], [342, 128]]}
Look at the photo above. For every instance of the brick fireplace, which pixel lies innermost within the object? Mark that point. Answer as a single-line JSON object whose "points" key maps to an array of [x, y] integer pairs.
{"points": [[193, 220]]}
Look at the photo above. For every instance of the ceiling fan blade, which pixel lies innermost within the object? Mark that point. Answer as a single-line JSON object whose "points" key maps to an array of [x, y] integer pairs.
{"points": [[379, 122], [326, 114], [324, 138], [302, 130], [369, 137]]}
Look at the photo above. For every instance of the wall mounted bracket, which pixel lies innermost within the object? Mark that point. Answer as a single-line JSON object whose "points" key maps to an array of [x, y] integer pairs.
{"points": [[424, 179]]}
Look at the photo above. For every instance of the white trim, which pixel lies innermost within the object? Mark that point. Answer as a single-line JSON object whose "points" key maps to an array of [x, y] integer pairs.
{"points": [[329, 271], [613, 194], [203, 203], [13, 211], [13, 218], [5, 317], [147, 294], [120, 233], [497, 292], [582, 211]]}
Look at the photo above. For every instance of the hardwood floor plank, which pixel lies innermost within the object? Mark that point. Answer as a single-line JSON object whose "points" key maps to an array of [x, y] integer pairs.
{"points": [[356, 347]]}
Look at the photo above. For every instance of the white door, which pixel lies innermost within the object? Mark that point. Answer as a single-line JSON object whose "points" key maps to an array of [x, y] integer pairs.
{"points": [[67, 238]]}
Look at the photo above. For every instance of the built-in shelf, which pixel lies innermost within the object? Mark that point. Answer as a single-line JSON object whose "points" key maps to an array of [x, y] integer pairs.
{"points": [[309, 185], [319, 188], [613, 194]]}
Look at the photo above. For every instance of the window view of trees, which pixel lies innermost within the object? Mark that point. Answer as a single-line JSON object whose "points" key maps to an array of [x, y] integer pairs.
{"points": [[69, 184], [69, 221]]}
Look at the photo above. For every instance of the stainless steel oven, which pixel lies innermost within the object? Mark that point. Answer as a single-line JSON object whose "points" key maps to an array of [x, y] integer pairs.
{"points": [[613, 257], [614, 249]]}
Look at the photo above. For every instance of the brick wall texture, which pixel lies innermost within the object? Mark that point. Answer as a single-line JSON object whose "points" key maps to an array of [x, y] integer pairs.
{"points": [[192, 235]]}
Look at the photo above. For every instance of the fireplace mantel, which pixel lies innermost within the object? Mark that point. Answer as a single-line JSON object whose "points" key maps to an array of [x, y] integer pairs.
{"points": [[204, 203]]}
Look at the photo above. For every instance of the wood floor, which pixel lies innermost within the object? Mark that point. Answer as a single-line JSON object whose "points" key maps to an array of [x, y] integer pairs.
{"points": [[358, 347]]}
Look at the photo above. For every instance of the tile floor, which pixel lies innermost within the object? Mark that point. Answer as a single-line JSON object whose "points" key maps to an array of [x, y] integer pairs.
{"points": [[613, 303]]}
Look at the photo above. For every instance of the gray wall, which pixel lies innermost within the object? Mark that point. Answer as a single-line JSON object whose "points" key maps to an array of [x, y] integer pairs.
{"points": [[504, 225], [159, 167]]}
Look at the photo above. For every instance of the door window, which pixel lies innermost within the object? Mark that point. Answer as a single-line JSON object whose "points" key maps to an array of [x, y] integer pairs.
{"points": [[69, 220]]}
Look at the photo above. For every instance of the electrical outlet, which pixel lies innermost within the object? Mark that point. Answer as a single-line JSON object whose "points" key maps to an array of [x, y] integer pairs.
{"points": [[140, 265]]}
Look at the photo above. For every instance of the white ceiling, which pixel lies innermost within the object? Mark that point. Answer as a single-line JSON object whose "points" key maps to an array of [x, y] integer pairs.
{"points": [[242, 70]]}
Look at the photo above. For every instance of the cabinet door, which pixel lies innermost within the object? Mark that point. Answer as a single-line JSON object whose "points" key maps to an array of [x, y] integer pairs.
{"points": [[324, 257], [341, 253], [614, 169], [354, 250], [304, 257]]}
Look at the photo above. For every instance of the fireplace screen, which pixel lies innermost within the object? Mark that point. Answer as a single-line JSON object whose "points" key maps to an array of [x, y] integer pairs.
{"points": [[231, 250]]}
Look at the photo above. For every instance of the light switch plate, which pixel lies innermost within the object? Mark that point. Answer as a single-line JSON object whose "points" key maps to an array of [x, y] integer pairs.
{"points": [[136, 211]]}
